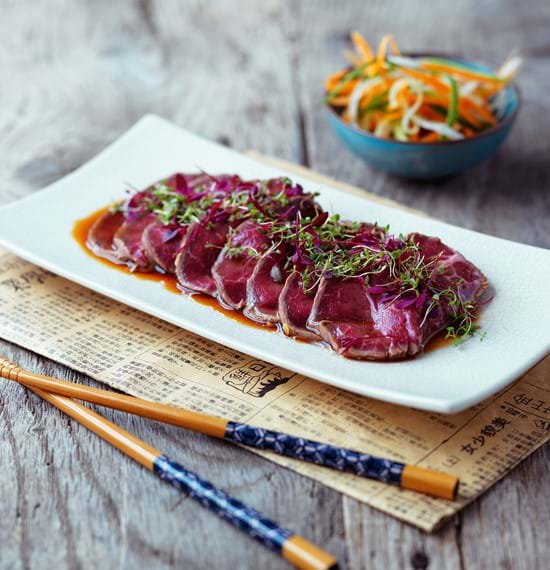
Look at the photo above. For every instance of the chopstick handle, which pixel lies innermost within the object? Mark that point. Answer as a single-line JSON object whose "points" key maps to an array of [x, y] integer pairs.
{"points": [[338, 458], [292, 547], [203, 423], [343, 459], [361, 464]]}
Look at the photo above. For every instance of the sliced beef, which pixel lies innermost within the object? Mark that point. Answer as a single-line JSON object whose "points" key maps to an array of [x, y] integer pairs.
{"points": [[200, 249], [162, 243], [142, 241], [377, 321], [295, 307], [455, 272], [345, 315], [358, 324], [129, 247], [237, 261], [306, 205], [101, 234], [266, 285]]}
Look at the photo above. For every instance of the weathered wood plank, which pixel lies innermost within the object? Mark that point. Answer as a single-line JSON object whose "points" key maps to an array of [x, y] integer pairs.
{"points": [[507, 197], [504, 196], [74, 76], [116, 63]]}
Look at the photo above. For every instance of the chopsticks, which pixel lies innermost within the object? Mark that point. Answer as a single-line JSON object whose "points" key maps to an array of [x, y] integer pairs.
{"points": [[406, 476], [290, 546]]}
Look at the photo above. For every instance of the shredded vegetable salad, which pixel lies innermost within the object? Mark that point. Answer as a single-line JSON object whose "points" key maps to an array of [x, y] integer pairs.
{"points": [[417, 99]]}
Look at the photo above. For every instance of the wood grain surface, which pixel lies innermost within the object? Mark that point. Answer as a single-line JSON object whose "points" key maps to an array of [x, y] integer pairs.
{"points": [[74, 75]]}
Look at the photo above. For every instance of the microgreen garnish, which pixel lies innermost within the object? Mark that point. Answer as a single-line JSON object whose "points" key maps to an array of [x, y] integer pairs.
{"points": [[392, 267], [219, 199]]}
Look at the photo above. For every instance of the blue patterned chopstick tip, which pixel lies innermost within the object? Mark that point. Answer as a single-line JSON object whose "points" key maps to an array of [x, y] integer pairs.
{"points": [[232, 510], [339, 458]]}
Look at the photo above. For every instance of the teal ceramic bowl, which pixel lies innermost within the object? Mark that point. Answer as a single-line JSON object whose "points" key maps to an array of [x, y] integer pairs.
{"points": [[428, 160]]}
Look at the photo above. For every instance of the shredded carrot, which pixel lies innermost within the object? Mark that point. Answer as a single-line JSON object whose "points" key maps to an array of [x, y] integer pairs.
{"points": [[428, 112], [394, 115], [340, 100], [462, 110], [362, 46], [386, 41], [483, 112], [346, 89], [430, 137], [353, 58], [441, 98], [335, 77], [393, 46], [465, 74], [437, 85]]}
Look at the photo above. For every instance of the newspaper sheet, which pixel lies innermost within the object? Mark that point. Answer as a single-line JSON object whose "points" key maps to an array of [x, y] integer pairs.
{"points": [[147, 357]]}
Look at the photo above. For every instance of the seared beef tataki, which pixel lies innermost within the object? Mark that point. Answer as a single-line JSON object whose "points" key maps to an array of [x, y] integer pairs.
{"points": [[268, 248]]}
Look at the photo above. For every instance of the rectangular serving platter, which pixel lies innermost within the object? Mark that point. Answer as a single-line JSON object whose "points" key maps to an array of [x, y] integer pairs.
{"points": [[38, 228]]}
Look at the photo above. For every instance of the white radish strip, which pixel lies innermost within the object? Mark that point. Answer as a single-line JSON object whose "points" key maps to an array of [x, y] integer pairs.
{"points": [[498, 104], [394, 90], [383, 129], [441, 128], [409, 114], [510, 67], [474, 99], [467, 88], [357, 93], [404, 61]]}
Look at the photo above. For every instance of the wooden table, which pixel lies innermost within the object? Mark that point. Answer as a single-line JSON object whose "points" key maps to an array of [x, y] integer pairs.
{"points": [[73, 77]]}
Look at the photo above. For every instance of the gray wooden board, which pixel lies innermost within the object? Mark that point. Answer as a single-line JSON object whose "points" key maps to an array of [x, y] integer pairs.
{"points": [[73, 76]]}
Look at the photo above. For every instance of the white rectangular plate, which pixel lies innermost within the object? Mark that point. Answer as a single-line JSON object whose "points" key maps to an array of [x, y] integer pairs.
{"points": [[448, 380]]}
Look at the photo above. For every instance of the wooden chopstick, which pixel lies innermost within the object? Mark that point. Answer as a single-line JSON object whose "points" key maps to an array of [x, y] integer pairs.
{"points": [[407, 476], [292, 547]]}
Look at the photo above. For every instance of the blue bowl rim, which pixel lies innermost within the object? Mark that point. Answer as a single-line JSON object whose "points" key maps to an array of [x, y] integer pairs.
{"points": [[508, 120]]}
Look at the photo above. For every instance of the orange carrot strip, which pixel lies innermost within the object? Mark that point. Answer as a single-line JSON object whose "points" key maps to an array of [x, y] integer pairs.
{"points": [[466, 74], [336, 76], [393, 46], [428, 112], [433, 82], [481, 111], [387, 40], [345, 89], [340, 100], [353, 58], [382, 49], [443, 89], [372, 69], [463, 111], [430, 137], [394, 115], [487, 91], [362, 46], [370, 94]]}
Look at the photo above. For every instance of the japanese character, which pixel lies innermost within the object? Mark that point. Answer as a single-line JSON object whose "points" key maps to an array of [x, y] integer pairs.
{"points": [[478, 440], [468, 448], [499, 423], [489, 431], [522, 399]]}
